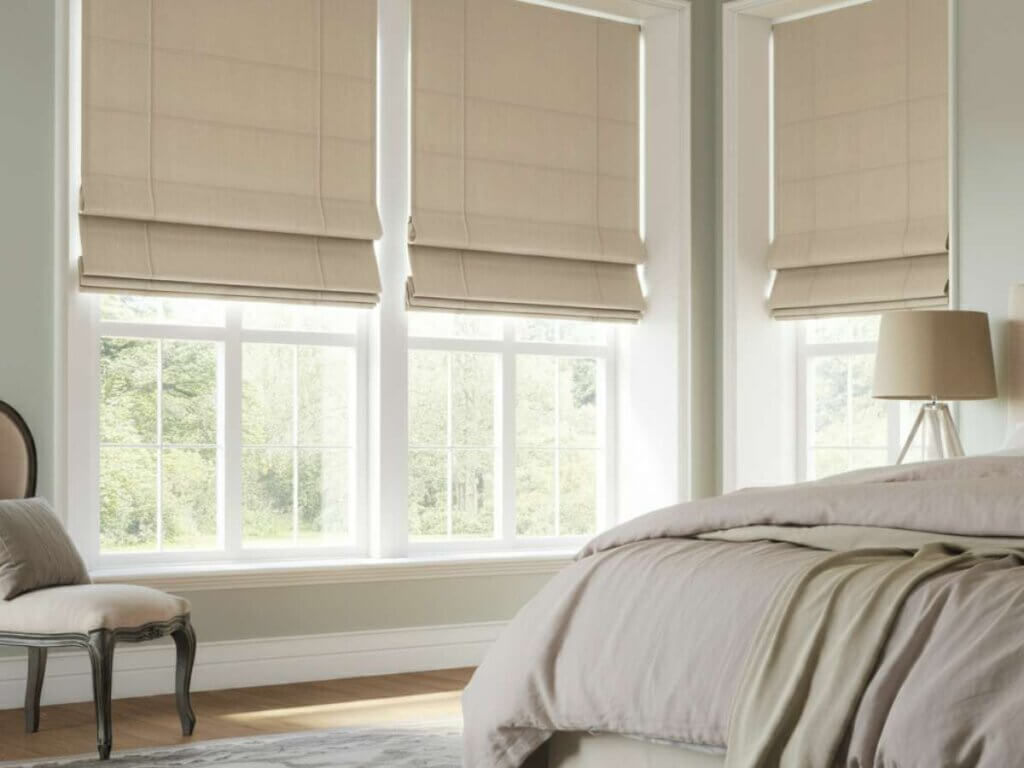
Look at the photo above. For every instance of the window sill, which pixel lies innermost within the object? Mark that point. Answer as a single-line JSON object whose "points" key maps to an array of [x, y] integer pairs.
{"points": [[212, 576]]}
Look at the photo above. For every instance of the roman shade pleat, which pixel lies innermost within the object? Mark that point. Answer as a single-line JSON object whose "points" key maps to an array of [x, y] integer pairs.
{"points": [[861, 160], [525, 161], [228, 148]]}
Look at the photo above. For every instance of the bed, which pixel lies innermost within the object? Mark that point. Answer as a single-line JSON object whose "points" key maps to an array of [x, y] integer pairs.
{"points": [[919, 570]]}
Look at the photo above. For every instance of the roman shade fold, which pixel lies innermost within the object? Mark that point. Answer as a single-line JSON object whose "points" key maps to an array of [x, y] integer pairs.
{"points": [[228, 148], [525, 161], [861, 160]]}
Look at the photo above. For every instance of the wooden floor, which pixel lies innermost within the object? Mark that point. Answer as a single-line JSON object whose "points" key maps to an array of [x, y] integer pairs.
{"points": [[70, 729]]}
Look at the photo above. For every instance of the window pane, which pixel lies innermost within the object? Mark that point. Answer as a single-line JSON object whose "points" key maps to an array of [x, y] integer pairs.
{"points": [[869, 417], [565, 331], [128, 390], [267, 394], [442, 325], [535, 400], [189, 498], [841, 330], [128, 499], [536, 329], [828, 384], [189, 392], [862, 458], [267, 316], [428, 398], [428, 495], [323, 496], [325, 384], [473, 378], [152, 309], [267, 497], [577, 508], [577, 401], [535, 492], [829, 461], [472, 493]]}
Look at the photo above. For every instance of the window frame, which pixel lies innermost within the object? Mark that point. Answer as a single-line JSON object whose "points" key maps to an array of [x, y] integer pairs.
{"points": [[85, 399], [806, 352], [507, 347], [658, 408]]}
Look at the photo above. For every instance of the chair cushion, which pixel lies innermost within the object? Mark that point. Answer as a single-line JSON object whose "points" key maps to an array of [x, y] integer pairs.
{"points": [[35, 550], [83, 608]]}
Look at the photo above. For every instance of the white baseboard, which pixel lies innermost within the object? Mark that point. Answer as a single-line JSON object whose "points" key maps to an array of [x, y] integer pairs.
{"points": [[148, 668]]}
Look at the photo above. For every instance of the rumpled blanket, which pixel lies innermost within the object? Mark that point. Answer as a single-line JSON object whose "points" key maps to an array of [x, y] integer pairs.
{"points": [[648, 633]]}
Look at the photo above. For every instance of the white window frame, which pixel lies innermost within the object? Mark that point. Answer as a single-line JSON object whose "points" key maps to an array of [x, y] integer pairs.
{"points": [[650, 456], [507, 348], [231, 336], [805, 353]]}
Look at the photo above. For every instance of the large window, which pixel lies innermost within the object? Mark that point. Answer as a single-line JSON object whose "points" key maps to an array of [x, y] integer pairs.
{"points": [[232, 431], [507, 430], [840, 426], [226, 429]]}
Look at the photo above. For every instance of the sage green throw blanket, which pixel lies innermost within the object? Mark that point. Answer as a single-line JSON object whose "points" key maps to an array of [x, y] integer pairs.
{"points": [[873, 620], [820, 640]]}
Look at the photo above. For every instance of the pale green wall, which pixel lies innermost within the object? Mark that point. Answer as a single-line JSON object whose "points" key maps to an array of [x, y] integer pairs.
{"points": [[705, 272], [29, 370], [990, 155], [26, 219]]}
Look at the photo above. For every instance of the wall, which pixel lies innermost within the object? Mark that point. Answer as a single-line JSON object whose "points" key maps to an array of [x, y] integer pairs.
{"points": [[704, 275], [31, 367], [990, 156], [27, 307]]}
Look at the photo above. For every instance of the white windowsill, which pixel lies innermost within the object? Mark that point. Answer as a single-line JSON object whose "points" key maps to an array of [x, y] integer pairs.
{"points": [[211, 576]]}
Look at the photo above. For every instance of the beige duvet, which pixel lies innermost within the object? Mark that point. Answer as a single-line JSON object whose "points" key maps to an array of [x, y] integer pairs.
{"points": [[915, 652]]}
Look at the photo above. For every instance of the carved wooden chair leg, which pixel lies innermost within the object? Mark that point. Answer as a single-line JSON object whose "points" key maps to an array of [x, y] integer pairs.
{"points": [[101, 654], [185, 641], [34, 687]]}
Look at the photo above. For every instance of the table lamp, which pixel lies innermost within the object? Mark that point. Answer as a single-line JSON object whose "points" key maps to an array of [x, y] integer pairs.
{"points": [[935, 356]]}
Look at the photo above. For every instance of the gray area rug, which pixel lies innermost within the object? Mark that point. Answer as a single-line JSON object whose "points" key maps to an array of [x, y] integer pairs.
{"points": [[414, 747]]}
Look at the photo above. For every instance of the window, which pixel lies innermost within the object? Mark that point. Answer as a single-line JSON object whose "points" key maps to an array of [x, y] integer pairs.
{"points": [[507, 427], [840, 426], [226, 429]]}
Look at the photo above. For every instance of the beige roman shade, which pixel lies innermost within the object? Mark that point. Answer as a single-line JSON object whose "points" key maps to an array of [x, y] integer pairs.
{"points": [[861, 166], [228, 148], [525, 161]]}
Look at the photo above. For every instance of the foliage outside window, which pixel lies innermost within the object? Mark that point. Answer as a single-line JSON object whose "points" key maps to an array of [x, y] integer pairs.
{"points": [[844, 428], [506, 428], [225, 428]]}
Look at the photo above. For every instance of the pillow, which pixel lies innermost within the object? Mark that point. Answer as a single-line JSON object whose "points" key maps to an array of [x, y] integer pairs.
{"points": [[35, 550]]}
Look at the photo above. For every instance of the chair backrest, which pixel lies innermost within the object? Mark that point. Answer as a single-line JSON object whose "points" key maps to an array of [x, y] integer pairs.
{"points": [[17, 456]]}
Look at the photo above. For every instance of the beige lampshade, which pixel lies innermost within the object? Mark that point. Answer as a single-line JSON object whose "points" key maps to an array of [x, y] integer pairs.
{"points": [[934, 355]]}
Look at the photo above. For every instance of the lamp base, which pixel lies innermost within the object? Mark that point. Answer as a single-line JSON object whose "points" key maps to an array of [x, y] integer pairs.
{"points": [[943, 431]]}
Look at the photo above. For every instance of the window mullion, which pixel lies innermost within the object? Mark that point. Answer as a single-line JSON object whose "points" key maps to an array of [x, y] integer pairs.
{"points": [[449, 452], [160, 445], [505, 416], [557, 453], [295, 444], [231, 404]]}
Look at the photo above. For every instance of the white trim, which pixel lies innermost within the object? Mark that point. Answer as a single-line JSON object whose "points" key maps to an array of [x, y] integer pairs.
{"points": [[218, 576], [780, 11], [627, 11], [754, 416], [148, 669]]}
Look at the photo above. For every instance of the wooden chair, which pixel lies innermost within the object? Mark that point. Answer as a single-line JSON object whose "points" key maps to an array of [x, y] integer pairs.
{"points": [[95, 617]]}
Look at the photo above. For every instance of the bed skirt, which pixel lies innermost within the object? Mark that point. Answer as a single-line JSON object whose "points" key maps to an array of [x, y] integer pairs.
{"points": [[584, 750]]}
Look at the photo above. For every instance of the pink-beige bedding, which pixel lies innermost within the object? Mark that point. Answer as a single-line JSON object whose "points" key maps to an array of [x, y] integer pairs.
{"points": [[874, 619]]}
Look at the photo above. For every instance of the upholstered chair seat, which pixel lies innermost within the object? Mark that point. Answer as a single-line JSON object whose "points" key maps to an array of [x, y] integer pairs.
{"points": [[85, 608], [48, 600]]}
